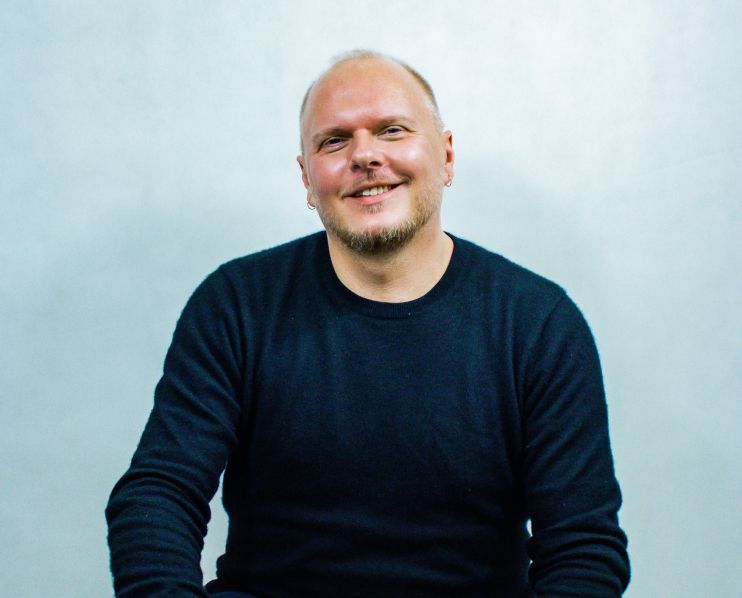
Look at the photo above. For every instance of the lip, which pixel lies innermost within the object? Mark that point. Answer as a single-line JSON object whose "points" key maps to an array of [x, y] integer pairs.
{"points": [[372, 199]]}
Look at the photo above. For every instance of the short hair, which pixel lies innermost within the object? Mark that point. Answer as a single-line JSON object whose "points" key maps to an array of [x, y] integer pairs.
{"points": [[361, 54]]}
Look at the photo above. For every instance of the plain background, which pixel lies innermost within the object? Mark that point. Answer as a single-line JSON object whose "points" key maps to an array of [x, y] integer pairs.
{"points": [[143, 143]]}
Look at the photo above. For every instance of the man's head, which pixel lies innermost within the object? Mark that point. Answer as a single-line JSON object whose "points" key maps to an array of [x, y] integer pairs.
{"points": [[374, 156]]}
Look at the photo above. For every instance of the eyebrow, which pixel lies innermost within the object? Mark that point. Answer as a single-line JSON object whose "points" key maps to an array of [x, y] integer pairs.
{"points": [[380, 124], [330, 132]]}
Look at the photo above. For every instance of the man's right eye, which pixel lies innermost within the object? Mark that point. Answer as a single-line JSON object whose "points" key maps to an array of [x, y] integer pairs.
{"points": [[331, 142]]}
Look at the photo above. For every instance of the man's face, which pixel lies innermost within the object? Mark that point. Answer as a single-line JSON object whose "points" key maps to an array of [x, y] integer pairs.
{"points": [[373, 160]]}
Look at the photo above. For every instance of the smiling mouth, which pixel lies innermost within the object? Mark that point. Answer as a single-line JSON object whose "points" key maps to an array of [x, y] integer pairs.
{"points": [[373, 191]]}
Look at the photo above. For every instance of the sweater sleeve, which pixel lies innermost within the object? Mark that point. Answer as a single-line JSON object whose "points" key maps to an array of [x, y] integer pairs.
{"points": [[159, 510], [577, 547]]}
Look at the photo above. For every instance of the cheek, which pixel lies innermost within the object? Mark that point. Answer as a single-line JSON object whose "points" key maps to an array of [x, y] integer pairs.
{"points": [[418, 159], [326, 176]]}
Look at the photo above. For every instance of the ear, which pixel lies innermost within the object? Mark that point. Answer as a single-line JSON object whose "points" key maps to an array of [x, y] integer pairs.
{"points": [[447, 138], [305, 179]]}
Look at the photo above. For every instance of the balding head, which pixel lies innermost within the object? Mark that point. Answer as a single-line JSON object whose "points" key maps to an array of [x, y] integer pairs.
{"points": [[367, 55], [374, 159]]}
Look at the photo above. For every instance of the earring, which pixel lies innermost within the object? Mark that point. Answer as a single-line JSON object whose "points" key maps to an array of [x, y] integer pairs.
{"points": [[310, 206], [449, 183]]}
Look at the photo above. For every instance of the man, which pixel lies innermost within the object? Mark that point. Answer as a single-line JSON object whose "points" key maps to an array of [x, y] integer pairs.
{"points": [[392, 403]]}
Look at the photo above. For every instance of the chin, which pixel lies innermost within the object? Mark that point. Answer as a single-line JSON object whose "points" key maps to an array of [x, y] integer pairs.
{"points": [[379, 230], [377, 240]]}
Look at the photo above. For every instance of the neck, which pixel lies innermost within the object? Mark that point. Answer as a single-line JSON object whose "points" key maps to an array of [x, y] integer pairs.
{"points": [[403, 275]]}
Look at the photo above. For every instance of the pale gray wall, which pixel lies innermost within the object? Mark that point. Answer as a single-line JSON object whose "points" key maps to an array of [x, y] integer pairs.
{"points": [[143, 143]]}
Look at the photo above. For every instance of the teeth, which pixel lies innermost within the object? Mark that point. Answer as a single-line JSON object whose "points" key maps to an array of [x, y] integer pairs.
{"points": [[375, 191]]}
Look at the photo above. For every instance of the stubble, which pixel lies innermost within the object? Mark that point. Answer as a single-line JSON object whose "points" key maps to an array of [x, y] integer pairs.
{"points": [[389, 239]]}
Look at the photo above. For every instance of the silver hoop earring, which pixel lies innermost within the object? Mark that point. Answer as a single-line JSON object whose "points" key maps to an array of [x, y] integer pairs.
{"points": [[449, 183], [311, 207]]}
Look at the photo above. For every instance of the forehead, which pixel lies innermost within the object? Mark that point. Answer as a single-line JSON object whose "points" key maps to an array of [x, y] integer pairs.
{"points": [[365, 87]]}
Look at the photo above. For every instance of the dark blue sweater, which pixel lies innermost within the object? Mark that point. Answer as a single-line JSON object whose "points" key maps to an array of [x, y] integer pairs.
{"points": [[375, 449]]}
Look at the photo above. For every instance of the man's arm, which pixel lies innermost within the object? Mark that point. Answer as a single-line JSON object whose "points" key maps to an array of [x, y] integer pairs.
{"points": [[159, 510], [572, 496]]}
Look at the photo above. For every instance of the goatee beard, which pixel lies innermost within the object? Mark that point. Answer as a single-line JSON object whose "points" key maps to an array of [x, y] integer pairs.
{"points": [[382, 241], [387, 240]]}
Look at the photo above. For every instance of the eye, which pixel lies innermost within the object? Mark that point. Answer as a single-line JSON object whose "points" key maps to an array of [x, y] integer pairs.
{"points": [[332, 143], [392, 130]]}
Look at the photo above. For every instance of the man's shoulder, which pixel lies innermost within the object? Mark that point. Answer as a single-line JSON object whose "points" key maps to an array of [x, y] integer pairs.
{"points": [[268, 267], [493, 269], [526, 299], [275, 256], [263, 273]]}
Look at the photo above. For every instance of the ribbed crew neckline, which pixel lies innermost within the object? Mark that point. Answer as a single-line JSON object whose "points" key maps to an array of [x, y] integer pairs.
{"points": [[381, 309]]}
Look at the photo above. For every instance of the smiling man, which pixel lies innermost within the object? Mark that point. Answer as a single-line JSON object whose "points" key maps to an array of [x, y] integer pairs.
{"points": [[374, 161], [392, 403]]}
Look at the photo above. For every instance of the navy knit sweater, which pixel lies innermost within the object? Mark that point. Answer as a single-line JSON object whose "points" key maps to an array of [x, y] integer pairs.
{"points": [[375, 449]]}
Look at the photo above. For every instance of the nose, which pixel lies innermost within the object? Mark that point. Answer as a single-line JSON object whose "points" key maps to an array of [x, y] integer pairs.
{"points": [[365, 152]]}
